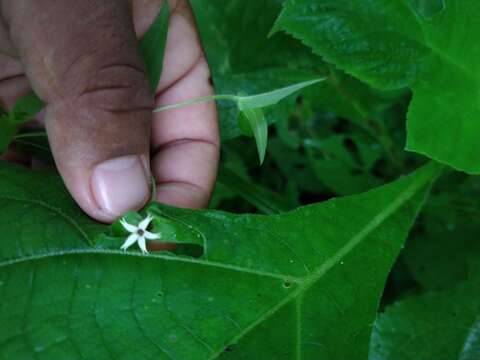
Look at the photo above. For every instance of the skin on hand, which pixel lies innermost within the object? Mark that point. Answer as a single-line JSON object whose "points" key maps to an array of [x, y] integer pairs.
{"points": [[82, 59]]}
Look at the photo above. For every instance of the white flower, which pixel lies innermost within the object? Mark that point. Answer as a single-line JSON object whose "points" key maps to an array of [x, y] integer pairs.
{"points": [[138, 234]]}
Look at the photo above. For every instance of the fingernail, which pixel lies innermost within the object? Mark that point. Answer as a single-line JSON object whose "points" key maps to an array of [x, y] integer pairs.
{"points": [[120, 185]]}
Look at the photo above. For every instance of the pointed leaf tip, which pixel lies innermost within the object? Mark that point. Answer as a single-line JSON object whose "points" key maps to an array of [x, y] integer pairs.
{"points": [[272, 97]]}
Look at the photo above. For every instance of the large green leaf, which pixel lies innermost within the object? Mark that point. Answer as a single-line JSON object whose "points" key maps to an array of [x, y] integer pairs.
{"points": [[303, 284], [441, 326], [429, 46]]}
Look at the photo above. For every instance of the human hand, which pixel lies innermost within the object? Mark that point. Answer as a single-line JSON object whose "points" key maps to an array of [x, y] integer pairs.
{"points": [[82, 59]]}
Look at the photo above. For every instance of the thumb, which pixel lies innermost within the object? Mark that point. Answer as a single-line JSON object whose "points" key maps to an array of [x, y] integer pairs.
{"points": [[82, 59]]}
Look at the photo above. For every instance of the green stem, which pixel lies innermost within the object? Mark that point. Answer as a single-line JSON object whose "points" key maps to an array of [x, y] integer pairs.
{"points": [[38, 146], [199, 100], [30, 135]]}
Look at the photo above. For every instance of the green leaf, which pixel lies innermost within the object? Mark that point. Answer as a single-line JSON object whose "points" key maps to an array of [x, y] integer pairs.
{"points": [[257, 82], [393, 44], [152, 46], [7, 132], [360, 36], [26, 108], [39, 214], [443, 325], [300, 284], [272, 97], [252, 122]]}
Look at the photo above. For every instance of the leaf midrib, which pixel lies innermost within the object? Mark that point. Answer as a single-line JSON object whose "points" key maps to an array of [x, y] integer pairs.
{"points": [[108, 252]]}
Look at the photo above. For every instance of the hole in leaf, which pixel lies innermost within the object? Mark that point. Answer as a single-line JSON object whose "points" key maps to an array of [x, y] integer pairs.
{"points": [[173, 338], [427, 9], [352, 148], [229, 348], [310, 198], [378, 169], [191, 250], [287, 284], [356, 172], [341, 126]]}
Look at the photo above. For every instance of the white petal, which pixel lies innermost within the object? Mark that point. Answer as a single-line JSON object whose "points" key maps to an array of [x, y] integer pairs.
{"points": [[132, 239], [145, 222], [151, 236], [129, 227], [142, 245]]}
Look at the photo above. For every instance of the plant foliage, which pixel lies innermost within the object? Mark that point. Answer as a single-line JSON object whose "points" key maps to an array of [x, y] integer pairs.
{"points": [[429, 46], [342, 245]]}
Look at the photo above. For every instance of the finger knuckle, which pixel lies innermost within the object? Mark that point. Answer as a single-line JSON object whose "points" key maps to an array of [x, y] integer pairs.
{"points": [[118, 88]]}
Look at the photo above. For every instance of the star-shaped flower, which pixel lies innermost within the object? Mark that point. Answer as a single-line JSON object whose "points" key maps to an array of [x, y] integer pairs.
{"points": [[138, 234]]}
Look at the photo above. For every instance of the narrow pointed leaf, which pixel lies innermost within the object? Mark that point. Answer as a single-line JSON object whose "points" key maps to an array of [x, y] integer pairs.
{"points": [[26, 108], [272, 97], [303, 284], [152, 46], [253, 122]]}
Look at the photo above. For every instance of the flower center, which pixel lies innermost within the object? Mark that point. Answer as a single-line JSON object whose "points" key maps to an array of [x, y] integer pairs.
{"points": [[140, 232]]}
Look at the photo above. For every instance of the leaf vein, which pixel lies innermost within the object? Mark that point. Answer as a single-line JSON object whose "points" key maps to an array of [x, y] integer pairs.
{"points": [[139, 325], [9, 262], [54, 209]]}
